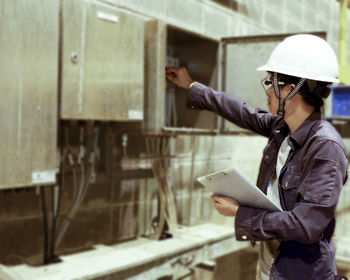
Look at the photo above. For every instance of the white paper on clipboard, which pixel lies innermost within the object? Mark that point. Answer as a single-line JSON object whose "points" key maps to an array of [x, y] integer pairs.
{"points": [[230, 182]]}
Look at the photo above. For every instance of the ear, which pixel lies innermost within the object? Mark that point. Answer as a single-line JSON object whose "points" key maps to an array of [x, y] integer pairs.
{"points": [[292, 86]]}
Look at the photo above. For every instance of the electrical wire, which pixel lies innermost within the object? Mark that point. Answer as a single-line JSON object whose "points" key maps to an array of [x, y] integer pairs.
{"points": [[75, 179], [46, 237], [193, 155], [56, 200], [125, 144], [83, 188], [56, 192], [159, 148]]}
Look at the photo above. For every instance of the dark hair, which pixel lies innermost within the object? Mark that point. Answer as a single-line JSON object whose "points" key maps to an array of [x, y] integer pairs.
{"points": [[312, 91]]}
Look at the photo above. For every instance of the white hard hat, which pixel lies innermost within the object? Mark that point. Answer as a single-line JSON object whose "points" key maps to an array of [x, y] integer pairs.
{"points": [[305, 56]]}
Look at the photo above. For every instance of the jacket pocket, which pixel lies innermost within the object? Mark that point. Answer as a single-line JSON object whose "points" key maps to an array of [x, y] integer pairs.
{"points": [[290, 185], [318, 186]]}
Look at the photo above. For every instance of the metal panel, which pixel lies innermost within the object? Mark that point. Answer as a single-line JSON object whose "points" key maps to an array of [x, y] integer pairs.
{"points": [[28, 91], [155, 62], [241, 57], [102, 63]]}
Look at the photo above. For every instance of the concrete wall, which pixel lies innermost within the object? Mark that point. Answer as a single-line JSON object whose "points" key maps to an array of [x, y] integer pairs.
{"points": [[122, 202], [224, 18]]}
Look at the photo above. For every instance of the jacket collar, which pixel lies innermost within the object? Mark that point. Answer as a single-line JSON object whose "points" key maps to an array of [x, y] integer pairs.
{"points": [[299, 136], [281, 128]]}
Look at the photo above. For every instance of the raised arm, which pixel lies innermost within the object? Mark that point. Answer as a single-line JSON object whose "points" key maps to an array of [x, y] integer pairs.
{"points": [[203, 97]]}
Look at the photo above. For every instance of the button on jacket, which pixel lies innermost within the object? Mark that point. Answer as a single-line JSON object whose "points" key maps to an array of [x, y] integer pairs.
{"points": [[309, 186]]}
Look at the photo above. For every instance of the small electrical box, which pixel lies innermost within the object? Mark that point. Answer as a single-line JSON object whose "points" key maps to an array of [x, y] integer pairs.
{"points": [[199, 55], [341, 102]]}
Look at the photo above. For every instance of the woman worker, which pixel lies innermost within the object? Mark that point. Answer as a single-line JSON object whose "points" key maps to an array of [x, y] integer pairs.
{"points": [[304, 164]]}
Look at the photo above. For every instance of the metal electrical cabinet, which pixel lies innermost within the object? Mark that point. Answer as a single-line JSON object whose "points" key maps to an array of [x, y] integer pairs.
{"points": [[102, 62], [165, 44], [240, 56], [199, 55], [28, 92], [227, 65]]}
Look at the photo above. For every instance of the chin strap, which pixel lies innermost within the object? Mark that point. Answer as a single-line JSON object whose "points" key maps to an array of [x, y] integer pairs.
{"points": [[282, 101]]}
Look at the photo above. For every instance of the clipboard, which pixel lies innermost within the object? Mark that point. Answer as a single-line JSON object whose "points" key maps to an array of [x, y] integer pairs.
{"points": [[229, 182]]}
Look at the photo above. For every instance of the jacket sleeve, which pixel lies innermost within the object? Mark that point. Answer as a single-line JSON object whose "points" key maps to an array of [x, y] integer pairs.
{"points": [[256, 120], [307, 221]]}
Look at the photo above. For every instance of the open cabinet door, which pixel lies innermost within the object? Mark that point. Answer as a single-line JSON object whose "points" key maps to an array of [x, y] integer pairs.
{"points": [[240, 56]]}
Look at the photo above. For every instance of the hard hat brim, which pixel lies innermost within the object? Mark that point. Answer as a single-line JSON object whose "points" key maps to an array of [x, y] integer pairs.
{"points": [[269, 68]]}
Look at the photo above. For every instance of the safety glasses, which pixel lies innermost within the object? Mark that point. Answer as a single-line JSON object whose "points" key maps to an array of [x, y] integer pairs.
{"points": [[267, 83]]}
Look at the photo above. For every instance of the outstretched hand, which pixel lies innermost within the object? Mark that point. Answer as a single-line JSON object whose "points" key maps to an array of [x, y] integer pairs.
{"points": [[225, 205], [179, 76]]}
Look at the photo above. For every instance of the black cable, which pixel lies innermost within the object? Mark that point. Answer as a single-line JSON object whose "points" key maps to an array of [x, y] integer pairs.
{"points": [[53, 222], [52, 258], [43, 207]]}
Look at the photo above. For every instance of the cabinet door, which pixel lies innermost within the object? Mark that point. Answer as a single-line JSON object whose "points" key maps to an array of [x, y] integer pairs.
{"points": [[102, 63], [28, 92], [155, 85], [239, 78]]}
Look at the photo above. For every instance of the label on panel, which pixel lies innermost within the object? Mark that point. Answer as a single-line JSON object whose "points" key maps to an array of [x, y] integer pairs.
{"points": [[107, 17], [43, 177], [135, 115]]}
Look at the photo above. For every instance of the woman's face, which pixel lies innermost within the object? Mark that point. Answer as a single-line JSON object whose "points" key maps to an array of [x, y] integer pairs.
{"points": [[272, 100]]}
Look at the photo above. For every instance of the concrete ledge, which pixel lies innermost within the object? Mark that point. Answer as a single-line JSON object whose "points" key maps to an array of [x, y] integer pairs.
{"points": [[138, 259]]}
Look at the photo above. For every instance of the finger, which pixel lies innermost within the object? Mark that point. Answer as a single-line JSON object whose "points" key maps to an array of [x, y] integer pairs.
{"points": [[171, 79], [172, 70], [171, 74]]}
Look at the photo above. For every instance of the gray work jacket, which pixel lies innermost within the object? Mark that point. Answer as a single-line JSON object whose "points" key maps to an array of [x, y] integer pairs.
{"points": [[309, 186]]}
